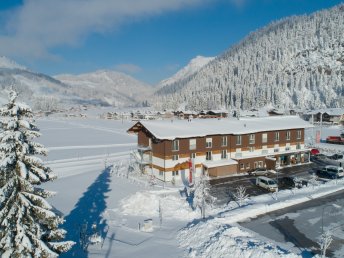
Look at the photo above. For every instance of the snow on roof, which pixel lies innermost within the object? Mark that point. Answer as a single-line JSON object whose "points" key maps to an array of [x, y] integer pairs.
{"points": [[330, 111], [171, 129], [220, 163]]}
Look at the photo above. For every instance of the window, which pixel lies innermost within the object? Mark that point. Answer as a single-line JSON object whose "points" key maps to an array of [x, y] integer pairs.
{"points": [[161, 173], [255, 164], [251, 138], [238, 153], [193, 155], [241, 165], [247, 165], [287, 147], [260, 164], [192, 144], [287, 136], [251, 149], [276, 136], [298, 146], [175, 157], [264, 137], [175, 145], [208, 142], [208, 155], [175, 173], [264, 152], [298, 134], [276, 148], [224, 141], [238, 140], [223, 154]]}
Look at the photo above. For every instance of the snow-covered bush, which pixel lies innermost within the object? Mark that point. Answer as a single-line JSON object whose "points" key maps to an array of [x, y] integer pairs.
{"points": [[201, 193], [28, 226]]}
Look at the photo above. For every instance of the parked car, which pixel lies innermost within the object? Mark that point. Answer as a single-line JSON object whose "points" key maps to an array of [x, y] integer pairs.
{"points": [[335, 156], [320, 156], [286, 182], [335, 160], [259, 172], [292, 182], [339, 171], [326, 174], [267, 183]]}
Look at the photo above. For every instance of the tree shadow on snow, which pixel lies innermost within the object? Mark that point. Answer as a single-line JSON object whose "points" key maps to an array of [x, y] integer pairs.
{"points": [[87, 213]]}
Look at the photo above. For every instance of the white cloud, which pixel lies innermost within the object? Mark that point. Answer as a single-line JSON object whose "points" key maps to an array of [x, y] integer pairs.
{"points": [[128, 68], [37, 26]]}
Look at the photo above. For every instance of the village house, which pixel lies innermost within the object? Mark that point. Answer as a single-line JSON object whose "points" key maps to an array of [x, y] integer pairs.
{"points": [[329, 115], [182, 149]]}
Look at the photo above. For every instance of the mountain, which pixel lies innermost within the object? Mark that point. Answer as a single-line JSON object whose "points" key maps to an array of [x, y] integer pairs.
{"points": [[191, 68], [98, 88], [31, 86], [294, 62], [114, 88]]}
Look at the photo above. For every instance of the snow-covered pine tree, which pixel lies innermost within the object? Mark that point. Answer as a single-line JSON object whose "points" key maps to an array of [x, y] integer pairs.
{"points": [[28, 226], [202, 195]]}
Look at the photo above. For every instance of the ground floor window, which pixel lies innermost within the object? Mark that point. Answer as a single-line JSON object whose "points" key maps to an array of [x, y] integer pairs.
{"points": [[260, 164], [241, 165], [247, 165], [208, 155], [255, 164], [175, 173], [161, 173], [223, 154], [298, 146]]}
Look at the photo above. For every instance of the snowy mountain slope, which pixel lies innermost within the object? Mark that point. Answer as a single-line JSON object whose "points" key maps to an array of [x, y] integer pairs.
{"points": [[114, 88], [297, 61], [98, 88], [192, 67], [30, 85]]}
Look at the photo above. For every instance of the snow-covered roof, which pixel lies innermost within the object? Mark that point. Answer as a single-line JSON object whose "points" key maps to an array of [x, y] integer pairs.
{"points": [[330, 111], [220, 163], [171, 129]]}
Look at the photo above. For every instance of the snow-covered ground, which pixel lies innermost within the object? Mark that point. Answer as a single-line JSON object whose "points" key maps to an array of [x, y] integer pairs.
{"points": [[94, 198]]}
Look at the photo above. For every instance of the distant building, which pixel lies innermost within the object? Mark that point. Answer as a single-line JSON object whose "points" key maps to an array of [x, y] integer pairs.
{"points": [[328, 115], [213, 114], [219, 147]]}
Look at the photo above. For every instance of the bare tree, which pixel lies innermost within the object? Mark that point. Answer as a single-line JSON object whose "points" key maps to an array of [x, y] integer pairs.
{"points": [[240, 195], [325, 242]]}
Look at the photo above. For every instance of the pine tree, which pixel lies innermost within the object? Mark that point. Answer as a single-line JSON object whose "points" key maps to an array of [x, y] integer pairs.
{"points": [[28, 226]]}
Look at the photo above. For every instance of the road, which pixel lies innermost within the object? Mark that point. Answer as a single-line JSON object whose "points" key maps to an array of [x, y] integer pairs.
{"points": [[302, 225]]}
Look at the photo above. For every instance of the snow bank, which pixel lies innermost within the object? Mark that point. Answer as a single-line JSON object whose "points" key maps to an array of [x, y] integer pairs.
{"points": [[213, 239], [146, 204]]}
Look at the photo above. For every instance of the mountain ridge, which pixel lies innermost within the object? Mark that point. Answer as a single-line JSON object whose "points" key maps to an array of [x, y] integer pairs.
{"points": [[294, 62]]}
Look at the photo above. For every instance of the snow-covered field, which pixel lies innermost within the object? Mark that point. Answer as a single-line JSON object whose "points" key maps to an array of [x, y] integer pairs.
{"points": [[95, 198]]}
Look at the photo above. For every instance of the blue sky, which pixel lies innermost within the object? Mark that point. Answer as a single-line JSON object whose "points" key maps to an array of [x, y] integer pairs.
{"points": [[148, 39]]}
